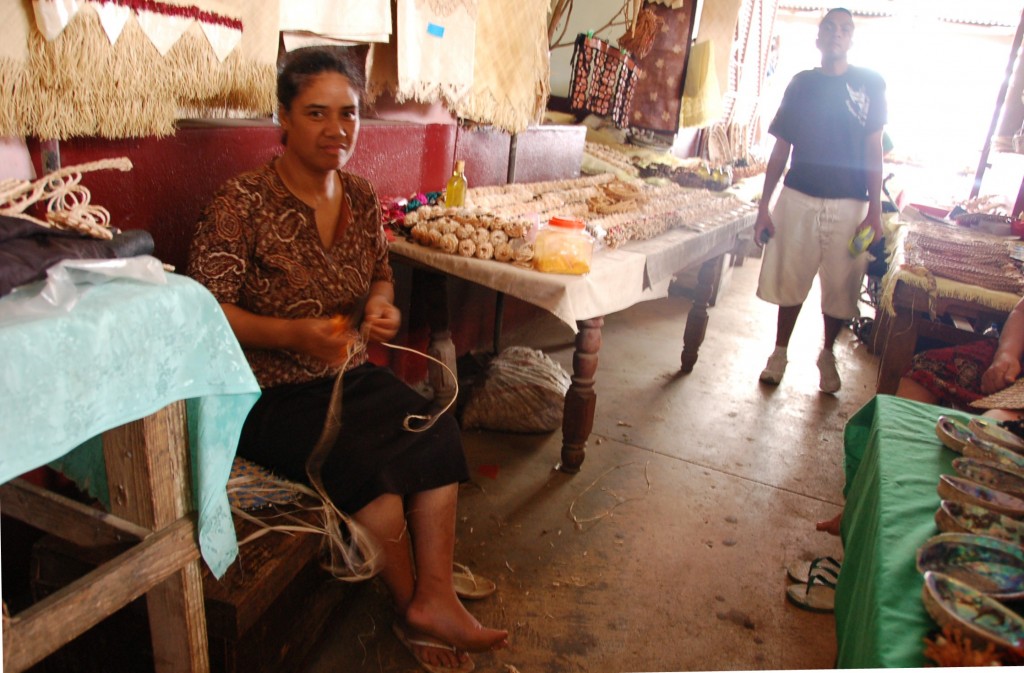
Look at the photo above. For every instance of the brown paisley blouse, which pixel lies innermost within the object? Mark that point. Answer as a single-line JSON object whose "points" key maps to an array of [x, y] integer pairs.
{"points": [[257, 246]]}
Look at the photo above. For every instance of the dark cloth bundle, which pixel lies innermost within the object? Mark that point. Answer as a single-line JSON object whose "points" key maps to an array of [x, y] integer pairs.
{"points": [[28, 249]]}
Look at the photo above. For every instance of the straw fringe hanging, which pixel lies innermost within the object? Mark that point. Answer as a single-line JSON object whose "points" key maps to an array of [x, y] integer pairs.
{"points": [[81, 85]]}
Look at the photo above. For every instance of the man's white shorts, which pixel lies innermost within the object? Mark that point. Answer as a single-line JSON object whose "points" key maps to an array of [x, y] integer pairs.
{"points": [[812, 236]]}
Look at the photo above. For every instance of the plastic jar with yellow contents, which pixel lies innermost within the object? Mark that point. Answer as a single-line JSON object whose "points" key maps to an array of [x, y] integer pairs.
{"points": [[563, 246]]}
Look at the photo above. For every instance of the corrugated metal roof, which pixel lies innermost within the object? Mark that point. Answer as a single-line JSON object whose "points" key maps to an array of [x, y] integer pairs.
{"points": [[979, 12]]}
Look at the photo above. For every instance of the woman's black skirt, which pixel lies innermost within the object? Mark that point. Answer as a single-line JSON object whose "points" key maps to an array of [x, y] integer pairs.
{"points": [[373, 454]]}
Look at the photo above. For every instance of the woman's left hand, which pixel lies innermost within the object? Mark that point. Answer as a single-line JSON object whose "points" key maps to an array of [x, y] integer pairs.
{"points": [[381, 319]]}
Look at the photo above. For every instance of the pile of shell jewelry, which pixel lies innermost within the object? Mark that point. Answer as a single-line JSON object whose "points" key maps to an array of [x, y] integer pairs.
{"points": [[498, 221], [67, 200]]}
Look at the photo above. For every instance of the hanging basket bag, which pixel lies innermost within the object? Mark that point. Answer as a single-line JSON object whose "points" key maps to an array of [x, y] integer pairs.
{"points": [[603, 79]]}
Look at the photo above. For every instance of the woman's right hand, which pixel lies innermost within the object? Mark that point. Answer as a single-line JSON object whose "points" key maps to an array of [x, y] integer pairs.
{"points": [[326, 339], [1003, 371]]}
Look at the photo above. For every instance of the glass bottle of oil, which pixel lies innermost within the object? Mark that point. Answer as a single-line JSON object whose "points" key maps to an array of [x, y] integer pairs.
{"points": [[455, 193]]}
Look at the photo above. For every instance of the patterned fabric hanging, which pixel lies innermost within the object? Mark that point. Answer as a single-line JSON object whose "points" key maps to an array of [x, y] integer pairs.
{"points": [[603, 79]]}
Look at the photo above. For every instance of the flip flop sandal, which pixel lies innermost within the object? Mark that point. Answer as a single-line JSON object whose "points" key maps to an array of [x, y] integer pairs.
{"points": [[469, 586], [425, 641], [801, 570], [818, 595]]}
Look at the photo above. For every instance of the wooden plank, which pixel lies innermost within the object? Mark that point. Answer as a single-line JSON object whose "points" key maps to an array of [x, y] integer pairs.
{"points": [[65, 518], [149, 477], [59, 618]]}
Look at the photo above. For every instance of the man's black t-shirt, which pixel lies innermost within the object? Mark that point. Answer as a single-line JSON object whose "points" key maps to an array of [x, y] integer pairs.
{"points": [[826, 118]]}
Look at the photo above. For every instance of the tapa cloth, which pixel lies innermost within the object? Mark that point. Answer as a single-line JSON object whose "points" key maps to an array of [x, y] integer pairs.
{"points": [[344, 20], [511, 66], [659, 89], [436, 49]]}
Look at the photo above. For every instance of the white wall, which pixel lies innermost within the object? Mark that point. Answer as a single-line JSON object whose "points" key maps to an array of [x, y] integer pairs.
{"points": [[586, 15]]}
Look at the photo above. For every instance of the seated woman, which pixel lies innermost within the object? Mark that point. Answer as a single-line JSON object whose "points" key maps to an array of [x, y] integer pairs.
{"points": [[956, 376], [296, 255]]}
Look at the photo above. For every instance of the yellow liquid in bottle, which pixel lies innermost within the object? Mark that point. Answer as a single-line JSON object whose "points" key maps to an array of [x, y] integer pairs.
{"points": [[455, 193]]}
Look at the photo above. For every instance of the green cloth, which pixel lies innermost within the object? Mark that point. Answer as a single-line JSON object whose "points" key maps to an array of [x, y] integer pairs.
{"points": [[893, 463]]}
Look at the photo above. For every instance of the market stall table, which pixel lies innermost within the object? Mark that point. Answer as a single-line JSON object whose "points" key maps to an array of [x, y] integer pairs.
{"points": [[893, 463], [150, 385], [917, 304], [618, 278]]}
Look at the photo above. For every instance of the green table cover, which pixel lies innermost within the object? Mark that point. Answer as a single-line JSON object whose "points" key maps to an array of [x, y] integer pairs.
{"points": [[893, 463]]}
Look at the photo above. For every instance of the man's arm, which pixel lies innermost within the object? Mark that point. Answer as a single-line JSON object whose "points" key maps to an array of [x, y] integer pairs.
{"points": [[873, 169], [772, 174]]}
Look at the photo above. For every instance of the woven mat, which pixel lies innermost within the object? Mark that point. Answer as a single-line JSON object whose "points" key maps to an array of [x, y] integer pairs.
{"points": [[968, 258], [1008, 398], [511, 71]]}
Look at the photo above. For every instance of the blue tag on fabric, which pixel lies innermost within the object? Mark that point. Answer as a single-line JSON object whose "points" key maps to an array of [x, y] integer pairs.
{"points": [[435, 30]]}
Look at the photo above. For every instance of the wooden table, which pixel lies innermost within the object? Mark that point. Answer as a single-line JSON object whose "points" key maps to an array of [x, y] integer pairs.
{"points": [[900, 332], [619, 278], [120, 363]]}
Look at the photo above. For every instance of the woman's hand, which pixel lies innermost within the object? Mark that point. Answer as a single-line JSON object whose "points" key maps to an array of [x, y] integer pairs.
{"points": [[326, 339], [1003, 371], [381, 319]]}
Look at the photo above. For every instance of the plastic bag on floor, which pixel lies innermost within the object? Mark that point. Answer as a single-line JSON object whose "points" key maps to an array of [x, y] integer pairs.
{"points": [[522, 390]]}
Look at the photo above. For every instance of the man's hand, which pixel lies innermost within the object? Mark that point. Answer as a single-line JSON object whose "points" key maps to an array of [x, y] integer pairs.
{"points": [[764, 228]]}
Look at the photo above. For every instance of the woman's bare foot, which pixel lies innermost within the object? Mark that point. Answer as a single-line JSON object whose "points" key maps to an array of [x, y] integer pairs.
{"points": [[830, 526], [446, 619]]}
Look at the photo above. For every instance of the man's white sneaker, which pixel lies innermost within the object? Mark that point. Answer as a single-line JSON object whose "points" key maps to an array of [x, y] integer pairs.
{"points": [[830, 381], [775, 368]]}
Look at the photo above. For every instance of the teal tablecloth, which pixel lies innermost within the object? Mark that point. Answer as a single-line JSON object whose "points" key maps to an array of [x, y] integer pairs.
{"points": [[893, 463], [126, 350]]}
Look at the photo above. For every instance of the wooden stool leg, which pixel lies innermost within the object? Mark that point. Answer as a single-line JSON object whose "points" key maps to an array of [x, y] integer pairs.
{"points": [[149, 477]]}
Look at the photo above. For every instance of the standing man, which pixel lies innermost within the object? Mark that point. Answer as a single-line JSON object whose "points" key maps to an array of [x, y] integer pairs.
{"points": [[829, 127]]}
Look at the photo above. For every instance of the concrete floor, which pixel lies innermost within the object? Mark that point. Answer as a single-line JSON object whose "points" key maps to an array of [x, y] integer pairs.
{"points": [[667, 552]]}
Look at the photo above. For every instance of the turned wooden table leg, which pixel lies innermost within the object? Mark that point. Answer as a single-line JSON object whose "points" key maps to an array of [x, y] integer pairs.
{"points": [[580, 399], [441, 346], [697, 318]]}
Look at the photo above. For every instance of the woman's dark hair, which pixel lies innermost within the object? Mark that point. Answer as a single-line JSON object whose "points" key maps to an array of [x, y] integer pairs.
{"points": [[303, 64]]}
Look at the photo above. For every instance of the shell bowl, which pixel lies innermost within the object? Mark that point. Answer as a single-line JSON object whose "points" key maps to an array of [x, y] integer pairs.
{"points": [[958, 517], [991, 474], [992, 566], [964, 490], [978, 616]]}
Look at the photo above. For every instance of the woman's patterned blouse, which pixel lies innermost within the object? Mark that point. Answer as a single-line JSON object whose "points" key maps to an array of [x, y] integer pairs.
{"points": [[257, 247]]}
